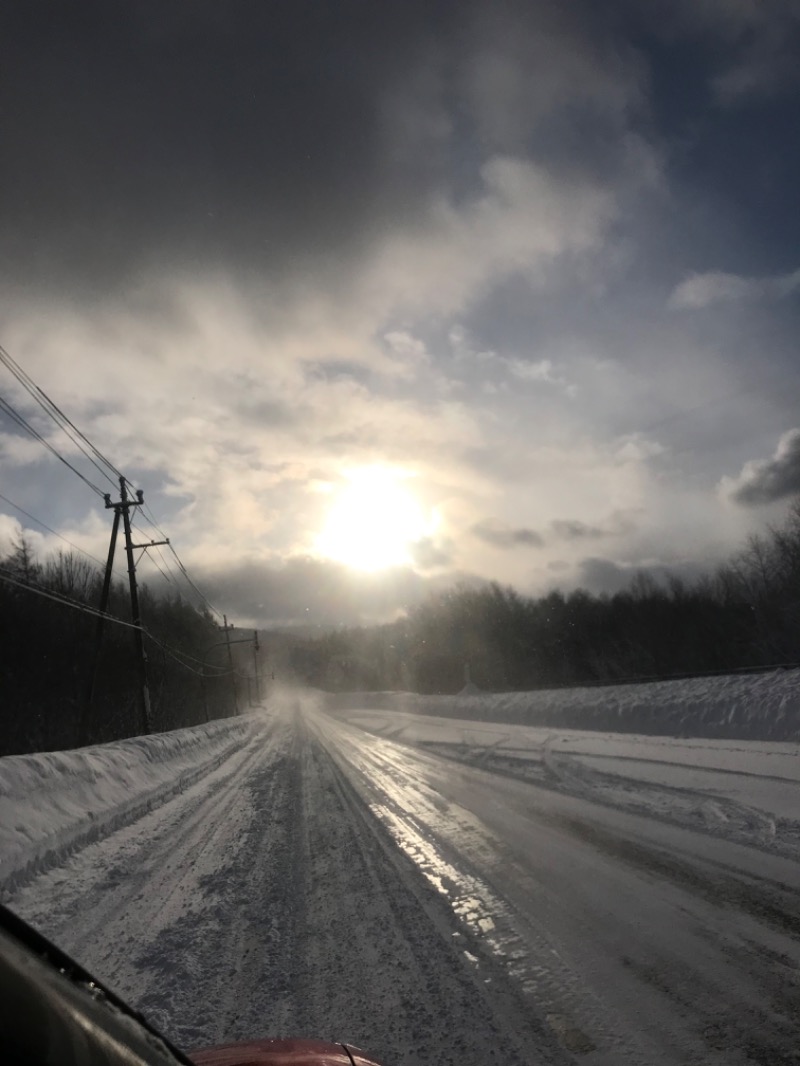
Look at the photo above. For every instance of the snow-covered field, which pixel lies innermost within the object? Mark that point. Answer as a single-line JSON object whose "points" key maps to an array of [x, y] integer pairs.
{"points": [[439, 890]]}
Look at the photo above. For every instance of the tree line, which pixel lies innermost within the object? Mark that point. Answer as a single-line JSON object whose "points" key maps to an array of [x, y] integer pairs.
{"points": [[746, 614], [50, 660]]}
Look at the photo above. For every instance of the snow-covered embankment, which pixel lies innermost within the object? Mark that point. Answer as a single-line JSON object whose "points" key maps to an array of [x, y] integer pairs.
{"points": [[52, 803], [741, 706]]}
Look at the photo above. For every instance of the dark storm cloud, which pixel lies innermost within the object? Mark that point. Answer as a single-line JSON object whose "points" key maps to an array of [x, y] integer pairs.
{"points": [[267, 137], [764, 481], [201, 131], [502, 536]]}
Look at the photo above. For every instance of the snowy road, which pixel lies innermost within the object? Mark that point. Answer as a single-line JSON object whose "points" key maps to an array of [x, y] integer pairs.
{"points": [[436, 904]]}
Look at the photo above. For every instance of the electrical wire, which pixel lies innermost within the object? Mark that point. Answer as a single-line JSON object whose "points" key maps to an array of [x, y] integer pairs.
{"points": [[95, 456], [151, 519], [168, 573], [18, 418], [79, 446], [66, 601], [202, 596], [174, 654], [160, 569], [164, 568], [51, 408], [169, 578], [167, 567], [44, 525], [148, 515]]}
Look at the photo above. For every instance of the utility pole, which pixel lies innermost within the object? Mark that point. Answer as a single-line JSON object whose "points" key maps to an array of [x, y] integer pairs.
{"points": [[228, 642], [255, 663], [122, 509], [228, 629], [136, 617], [204, 692], [98, 635]]}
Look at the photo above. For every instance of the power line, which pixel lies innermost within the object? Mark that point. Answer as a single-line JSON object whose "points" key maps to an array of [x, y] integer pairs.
{"points": [[174, 654], [44, 525], [185, 573], [167, 567], [202, 596], [169, 574], [95, 456], [51, 408], [66, 601], [150, 517], [18, 418], [169, 578]]}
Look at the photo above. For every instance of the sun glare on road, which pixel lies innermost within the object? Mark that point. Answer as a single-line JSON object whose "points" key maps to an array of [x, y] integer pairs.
{"points": [[374, 522]]}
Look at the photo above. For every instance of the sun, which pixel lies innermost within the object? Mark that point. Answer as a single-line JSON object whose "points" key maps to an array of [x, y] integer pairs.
{"points": [[374, 521]]}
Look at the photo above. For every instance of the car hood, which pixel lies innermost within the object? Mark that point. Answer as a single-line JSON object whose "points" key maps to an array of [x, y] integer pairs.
{"points": [[281, 1053]]}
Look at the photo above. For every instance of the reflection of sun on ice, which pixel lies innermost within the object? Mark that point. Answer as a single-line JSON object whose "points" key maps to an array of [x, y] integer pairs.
{"points": [[374, 522]]}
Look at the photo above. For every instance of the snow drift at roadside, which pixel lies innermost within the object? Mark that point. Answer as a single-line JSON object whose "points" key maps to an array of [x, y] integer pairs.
{"points": [[54, 802], [736, 707]]}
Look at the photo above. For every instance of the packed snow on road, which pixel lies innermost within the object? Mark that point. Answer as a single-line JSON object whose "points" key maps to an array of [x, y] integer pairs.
{"points": [[478, 885]]}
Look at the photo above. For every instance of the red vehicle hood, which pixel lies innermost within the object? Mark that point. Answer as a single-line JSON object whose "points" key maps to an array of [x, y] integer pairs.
{"points": [[281, 1053]]}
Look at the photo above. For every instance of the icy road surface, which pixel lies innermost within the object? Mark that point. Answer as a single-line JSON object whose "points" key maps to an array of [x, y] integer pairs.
{"points": [[449, 893]]}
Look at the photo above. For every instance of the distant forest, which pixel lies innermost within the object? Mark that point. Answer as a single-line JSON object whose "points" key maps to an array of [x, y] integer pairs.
{"points": [[49, 659], [746, 614]]}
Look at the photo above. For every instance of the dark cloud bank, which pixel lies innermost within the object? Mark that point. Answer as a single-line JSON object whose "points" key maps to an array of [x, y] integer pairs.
{"points": [[264, 136], [240, 135]]}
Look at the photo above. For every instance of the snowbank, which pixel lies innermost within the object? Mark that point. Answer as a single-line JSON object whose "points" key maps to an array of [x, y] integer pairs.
{"points": [[54, 802], [742, 706]]}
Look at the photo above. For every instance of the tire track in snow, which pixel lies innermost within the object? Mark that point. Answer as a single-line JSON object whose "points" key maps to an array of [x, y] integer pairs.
{"points": [[498, 939], [702, 1005], [384, 947]]}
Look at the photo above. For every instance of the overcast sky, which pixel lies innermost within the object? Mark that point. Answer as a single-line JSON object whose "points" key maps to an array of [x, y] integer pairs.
{"points": [[537, 263]]}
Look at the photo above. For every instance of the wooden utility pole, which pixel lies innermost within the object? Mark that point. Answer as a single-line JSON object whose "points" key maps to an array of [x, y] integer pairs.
{"points": [[136, 617], [255, 663], [204, 692], [228, 629], [122, 509], [98, 634]]}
